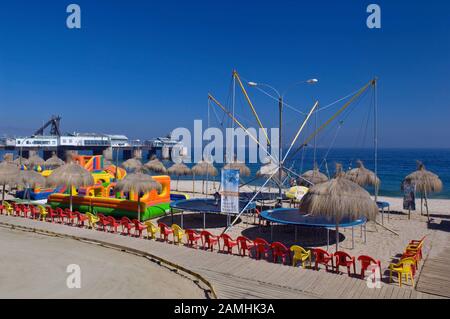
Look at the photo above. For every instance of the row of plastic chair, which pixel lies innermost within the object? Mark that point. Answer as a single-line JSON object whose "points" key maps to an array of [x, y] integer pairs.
{"points": [[409, 262], [258, 248]]}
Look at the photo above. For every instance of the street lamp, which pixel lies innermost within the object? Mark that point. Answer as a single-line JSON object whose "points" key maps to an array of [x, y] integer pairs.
{"points": [[280, 109]]}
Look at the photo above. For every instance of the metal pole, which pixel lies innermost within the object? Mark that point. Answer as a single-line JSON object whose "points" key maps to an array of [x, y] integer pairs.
{"points": [[353, 238], [280, 153], [204, 221], [375, 132]]}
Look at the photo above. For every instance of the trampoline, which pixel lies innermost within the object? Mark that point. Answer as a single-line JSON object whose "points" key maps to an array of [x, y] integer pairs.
{"points": [[261, 197], [292, 216], [206, 206]]}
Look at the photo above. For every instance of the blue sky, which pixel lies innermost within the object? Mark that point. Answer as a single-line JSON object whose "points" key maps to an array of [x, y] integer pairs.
{"points": [[144, 67]]}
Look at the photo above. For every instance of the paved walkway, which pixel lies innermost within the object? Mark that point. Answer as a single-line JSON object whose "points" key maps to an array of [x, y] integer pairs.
{"points": [[234, 276]]}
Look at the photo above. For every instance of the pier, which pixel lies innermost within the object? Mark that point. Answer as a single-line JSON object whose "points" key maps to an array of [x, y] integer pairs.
{"points": [[109, 145]]}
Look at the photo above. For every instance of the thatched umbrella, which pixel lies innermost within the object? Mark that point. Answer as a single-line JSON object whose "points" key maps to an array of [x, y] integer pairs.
{"points": [[339, 171], [313, 176], [29, 179], [203, 168], [362, 176], [8, 173], [339, 198], [133, 164], [138, 183], [243, 169], [71, 175], [426, 183], [268, 170], [54, 161], [179, 169], [36, 160], [155, 165], [8, 157]]}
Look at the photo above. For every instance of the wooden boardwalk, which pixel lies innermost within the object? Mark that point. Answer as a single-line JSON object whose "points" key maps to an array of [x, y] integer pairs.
{"points": [[435, 275], [235, 277]]}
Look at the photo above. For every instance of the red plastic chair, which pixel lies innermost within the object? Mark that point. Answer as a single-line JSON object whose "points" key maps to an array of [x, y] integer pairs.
{"points": [[324, 258], [244, 245], [25, 210], [365, 262], [228, 243], [138, 227], [126, 224], [344, 259], [280, 251], [34, 212], [164, 232], [61, 214], [71, 216], [192, 237], [17, 209], [81, 218], [52, 214], [103, 221], [113, 224], [262, 248], [209, 240]]}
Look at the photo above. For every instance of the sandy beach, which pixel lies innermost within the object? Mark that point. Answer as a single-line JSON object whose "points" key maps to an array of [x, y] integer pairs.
{"points": [[34, 266]]}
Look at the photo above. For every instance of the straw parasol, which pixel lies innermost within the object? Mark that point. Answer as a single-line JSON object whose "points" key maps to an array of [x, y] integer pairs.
{"points": [[426, 182], [8, 173], [138, 183], [362, 176], [203, 168], [54, 161], [179, 169], [155, 165], [36, 160], [270, 169], [8, 157], [29, 179], [339, 171], [133, 164], [339, 198], [313, 177], [71, 175], [243, 169]]}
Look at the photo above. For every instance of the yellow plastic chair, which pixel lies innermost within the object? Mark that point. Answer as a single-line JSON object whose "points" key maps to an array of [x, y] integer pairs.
{"points": [[42, 212], [92, 220], [403, 268], [8, 208], [300, 254], [178, 234], [151, 229]]}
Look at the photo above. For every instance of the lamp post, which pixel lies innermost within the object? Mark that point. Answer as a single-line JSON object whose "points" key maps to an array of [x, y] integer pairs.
{"points": [[280, 119]]}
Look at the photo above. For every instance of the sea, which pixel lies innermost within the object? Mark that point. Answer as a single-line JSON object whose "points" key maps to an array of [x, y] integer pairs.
{"points": [[393, 165]]}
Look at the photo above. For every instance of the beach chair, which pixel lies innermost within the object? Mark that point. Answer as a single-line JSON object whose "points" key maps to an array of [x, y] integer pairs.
{"points": [[102, 221], [404, 268], [61, 214], [177, 233], [322, 257], [42, 212], [17, 210], [192, 237], [24, 210], [34, 212], [113, 224], [344, 259], [245, 245], [209, 240], [52, 214], [302, 255], [9, 210], [81, 218], [279, 250], [92, 220], [415, 249], [126, 225], [262, 248], [138, 228], [164, 231], [366, 262], [228, 243], [151, 229], [71, 216]]}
